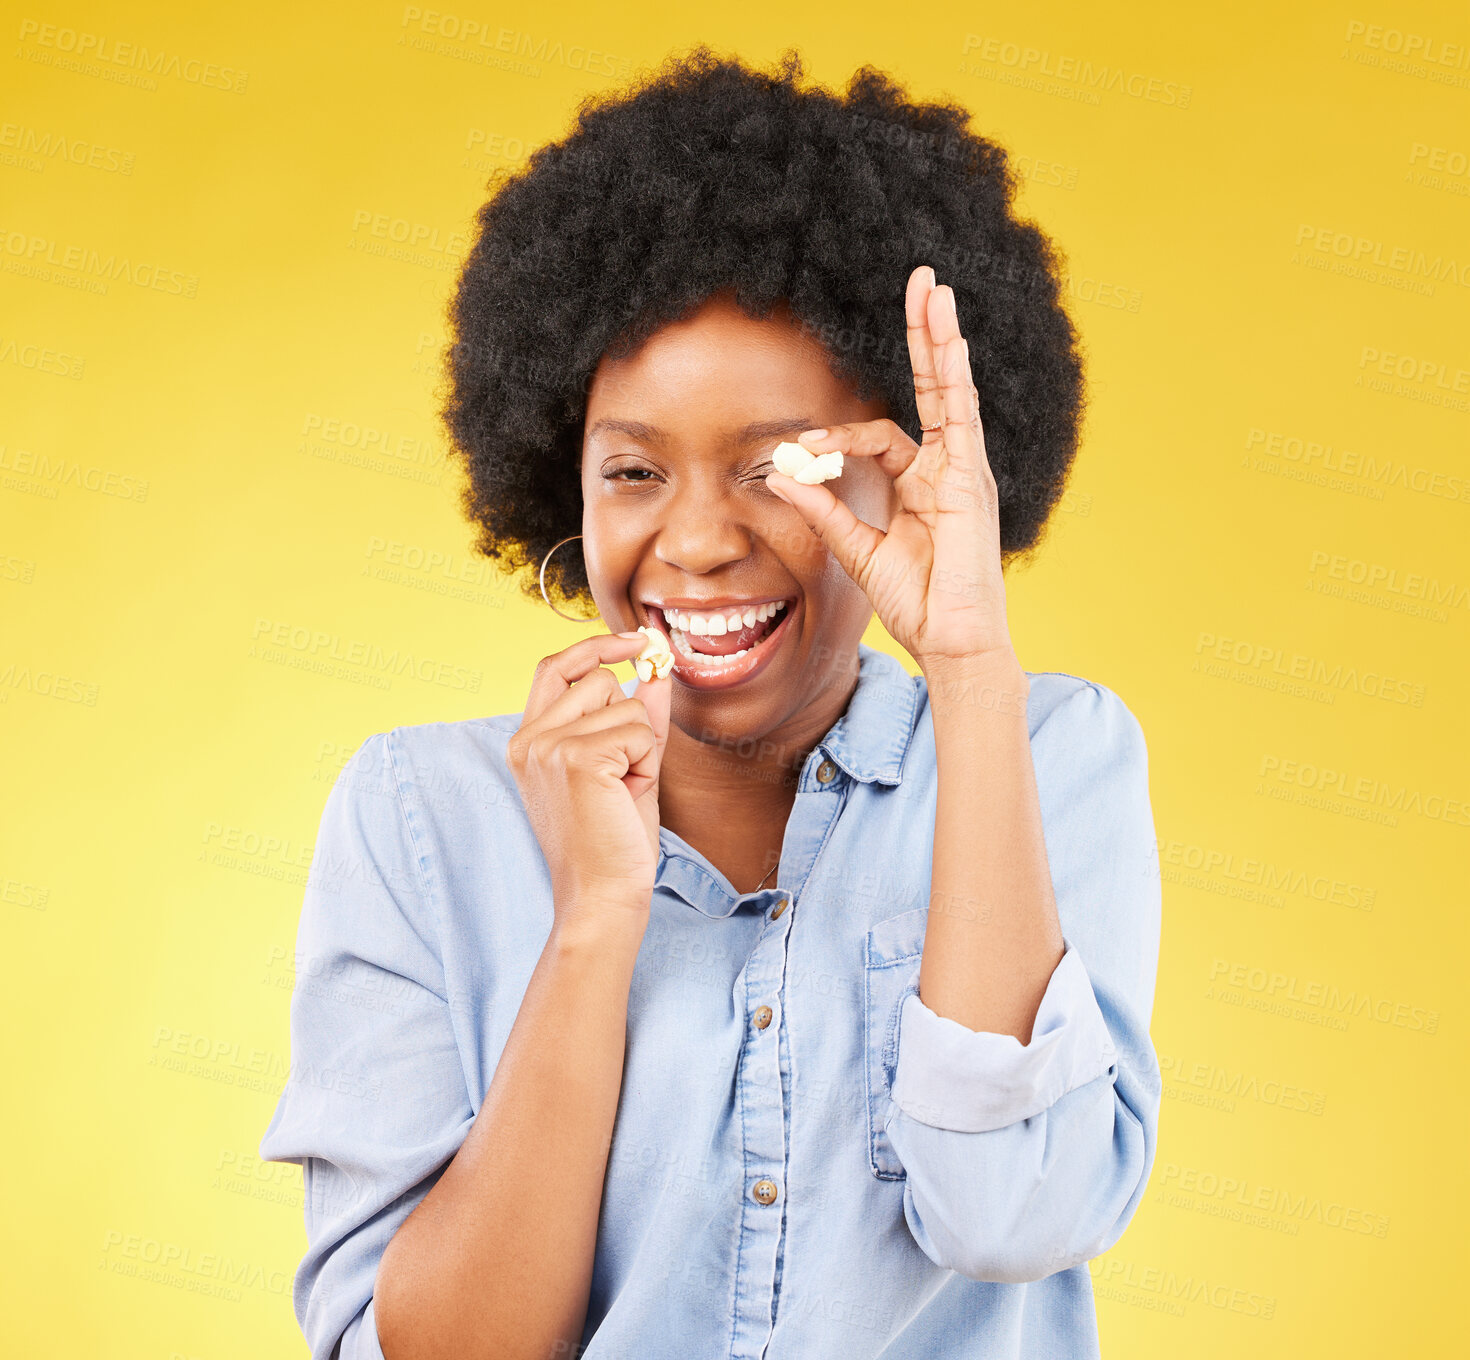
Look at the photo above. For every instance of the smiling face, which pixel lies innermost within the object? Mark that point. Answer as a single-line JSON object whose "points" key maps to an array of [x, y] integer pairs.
{"points": [[678, 521]]}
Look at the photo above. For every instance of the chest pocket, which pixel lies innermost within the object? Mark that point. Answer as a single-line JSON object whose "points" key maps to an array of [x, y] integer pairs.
{"points": [[892, 953]]}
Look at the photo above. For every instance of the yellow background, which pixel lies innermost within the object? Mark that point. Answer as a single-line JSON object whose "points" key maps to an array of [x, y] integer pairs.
{"points": [[163, 781]]}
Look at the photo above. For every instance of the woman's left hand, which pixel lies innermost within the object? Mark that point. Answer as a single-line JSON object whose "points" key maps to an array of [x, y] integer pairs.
{"points": [[934, 577]]}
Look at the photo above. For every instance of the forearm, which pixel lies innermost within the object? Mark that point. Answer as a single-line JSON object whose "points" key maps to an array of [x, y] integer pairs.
{"points": [[993, 938], [497, 1259]]}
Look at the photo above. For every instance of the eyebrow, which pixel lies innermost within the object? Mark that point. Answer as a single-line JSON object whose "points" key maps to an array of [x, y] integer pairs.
{"points": [[747, 434]]}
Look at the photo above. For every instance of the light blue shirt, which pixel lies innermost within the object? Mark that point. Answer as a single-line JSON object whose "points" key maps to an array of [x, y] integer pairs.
{"points": [[938, 1190]]}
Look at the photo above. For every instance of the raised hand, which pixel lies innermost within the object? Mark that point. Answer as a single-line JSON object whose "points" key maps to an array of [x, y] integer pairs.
{"points": [[586, 760], [934, 578]]}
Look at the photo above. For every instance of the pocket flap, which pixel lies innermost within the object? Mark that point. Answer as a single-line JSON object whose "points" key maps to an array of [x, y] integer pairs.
{"points": [[898, 937]]}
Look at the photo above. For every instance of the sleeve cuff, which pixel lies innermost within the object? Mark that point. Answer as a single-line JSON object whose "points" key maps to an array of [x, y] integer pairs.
{"points": [[972, 1081]]}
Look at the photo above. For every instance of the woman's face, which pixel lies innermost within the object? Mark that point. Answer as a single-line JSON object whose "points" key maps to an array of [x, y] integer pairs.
{"points": [[677, 516]]}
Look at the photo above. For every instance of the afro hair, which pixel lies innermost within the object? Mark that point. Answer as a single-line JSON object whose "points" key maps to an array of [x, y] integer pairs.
{"points": [[707, 176]]}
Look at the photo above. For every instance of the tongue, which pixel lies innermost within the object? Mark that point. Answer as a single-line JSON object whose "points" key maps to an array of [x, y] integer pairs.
{"points": [[731, 642]]}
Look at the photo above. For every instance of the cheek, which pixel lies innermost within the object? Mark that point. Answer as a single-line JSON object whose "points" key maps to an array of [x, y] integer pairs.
{"points": [[800, 551], [611, 549]]}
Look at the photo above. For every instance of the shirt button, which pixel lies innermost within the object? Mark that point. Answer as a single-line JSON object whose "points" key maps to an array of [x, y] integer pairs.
{"points": [[825, 771], [779, 908], [763, 1191], [762, 1017]]}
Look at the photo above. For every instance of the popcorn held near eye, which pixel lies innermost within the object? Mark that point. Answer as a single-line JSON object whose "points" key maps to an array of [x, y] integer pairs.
{"points": [[805, 467], [934, 575]]}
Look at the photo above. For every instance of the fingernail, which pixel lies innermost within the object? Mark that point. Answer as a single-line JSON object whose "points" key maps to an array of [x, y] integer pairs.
{"points": [[933, 277], [634, 634], [812, 434]]}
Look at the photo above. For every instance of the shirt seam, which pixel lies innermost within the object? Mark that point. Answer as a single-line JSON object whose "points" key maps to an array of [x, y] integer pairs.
{"points": [[788, 1118], [742, 1261], [418, 864]]}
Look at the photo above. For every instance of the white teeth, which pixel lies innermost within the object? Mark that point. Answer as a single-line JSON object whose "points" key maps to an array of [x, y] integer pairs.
{"points": [[679, 630], [716, 624], [689, 655]]}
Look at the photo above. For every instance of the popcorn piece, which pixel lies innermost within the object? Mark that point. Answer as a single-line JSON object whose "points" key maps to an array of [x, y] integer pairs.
{"points": [[803, 466], [822, 468], [655, 658], [790, 458]]}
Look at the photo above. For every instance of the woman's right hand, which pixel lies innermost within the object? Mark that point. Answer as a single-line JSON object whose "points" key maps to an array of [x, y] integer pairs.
{"points": [[586, 759]]}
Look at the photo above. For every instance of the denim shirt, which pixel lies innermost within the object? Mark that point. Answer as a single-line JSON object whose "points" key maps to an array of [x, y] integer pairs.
{"points": [[807, 1161]]}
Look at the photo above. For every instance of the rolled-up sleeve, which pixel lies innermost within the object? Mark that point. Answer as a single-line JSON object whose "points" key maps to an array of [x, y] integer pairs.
{"points": [[376, 1102], [1021, 1160]]}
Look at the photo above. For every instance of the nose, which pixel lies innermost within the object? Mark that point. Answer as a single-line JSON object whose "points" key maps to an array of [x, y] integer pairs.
{"points": [[701, 532]]}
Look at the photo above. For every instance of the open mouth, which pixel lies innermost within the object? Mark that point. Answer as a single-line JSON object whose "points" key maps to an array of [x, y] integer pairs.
{"points": [[713, 660]]}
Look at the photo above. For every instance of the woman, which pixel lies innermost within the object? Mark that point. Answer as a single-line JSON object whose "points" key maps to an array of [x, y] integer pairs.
{"points": [[789, 1005]]}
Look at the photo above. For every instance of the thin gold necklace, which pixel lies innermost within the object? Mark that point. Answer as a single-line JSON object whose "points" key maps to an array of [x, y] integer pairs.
{"points": [[769, 872]]}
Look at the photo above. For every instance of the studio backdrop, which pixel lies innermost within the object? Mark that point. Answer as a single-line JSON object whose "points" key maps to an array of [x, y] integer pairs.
{"points": [[231, 549]]}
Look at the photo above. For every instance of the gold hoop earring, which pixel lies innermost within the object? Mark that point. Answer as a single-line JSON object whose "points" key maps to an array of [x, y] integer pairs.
{"points": [[547, 597]]}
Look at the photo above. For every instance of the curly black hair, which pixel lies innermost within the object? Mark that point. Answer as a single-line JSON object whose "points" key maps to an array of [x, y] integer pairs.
{"points": [[707, 175]]}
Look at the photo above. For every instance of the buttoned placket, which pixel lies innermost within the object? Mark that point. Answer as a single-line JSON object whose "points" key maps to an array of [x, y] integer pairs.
{"points": [[763, 1079], [866, 745], [761, 1101]]}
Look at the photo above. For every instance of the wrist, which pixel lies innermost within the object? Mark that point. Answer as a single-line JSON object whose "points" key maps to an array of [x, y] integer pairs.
{"points": [[587, 928], [986, 683]]}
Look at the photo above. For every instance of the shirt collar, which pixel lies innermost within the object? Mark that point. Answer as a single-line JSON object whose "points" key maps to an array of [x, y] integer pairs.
{"points": [[872, 736], [868, 741]]}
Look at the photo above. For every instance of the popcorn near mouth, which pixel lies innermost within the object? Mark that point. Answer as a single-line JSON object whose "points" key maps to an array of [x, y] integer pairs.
{"points": [[801, 465], [655, 658]]}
